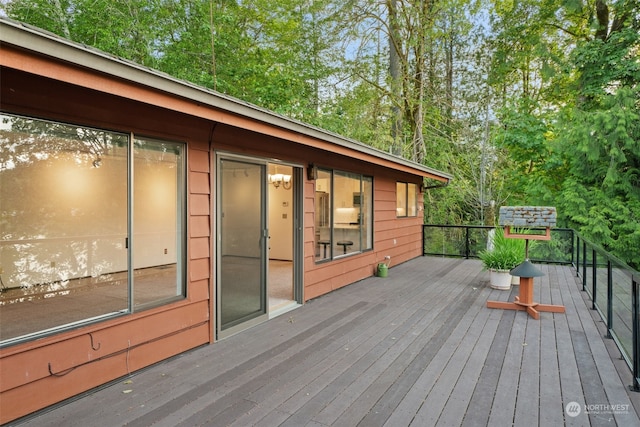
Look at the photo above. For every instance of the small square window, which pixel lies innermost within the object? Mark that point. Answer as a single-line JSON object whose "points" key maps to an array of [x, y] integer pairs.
{"points": [[406, 199]]}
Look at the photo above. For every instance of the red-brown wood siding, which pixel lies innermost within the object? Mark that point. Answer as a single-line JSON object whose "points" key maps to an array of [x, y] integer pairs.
{"points": [[399, 238], [133, 341]]}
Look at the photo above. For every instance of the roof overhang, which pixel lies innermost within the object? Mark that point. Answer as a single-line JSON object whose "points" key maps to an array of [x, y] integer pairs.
{"points": [[42, 43]]}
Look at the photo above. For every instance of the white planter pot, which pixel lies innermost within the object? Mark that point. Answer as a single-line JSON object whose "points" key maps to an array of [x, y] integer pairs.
{"points": [[500, 279], [515, 280]]}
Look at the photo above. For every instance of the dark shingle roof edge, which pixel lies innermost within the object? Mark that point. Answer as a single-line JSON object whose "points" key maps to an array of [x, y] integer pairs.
{"points": [[46, 43]]}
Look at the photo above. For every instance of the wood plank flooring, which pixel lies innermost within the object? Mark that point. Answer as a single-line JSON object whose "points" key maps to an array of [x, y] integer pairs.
{"points": [[419, 348]]}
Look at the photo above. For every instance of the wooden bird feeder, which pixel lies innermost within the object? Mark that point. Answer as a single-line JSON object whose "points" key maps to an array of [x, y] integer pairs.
{"points": [[527, 217]]}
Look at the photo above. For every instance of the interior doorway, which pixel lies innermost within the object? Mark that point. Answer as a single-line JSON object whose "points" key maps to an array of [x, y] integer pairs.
{"points": [[258, 246], [280, 192]]}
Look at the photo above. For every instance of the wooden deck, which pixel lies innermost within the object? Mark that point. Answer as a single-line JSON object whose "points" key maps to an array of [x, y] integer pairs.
{"points": [[417, 348]]}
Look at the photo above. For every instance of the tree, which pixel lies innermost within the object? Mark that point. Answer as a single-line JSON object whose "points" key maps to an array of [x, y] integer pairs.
{"points": [[542, 108], [127, 28], [572, 130], [274, 53], [601, 194]]}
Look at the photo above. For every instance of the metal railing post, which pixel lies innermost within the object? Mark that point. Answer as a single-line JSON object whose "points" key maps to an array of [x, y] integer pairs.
{"points": [[635, 331], [577, 256], [584, 265], [466, 246], [573, 236], [593, 279], [609, 299]]}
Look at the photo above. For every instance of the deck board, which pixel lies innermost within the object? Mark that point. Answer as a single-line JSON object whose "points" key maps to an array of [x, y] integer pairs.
{"points": [[506, 392], [455, 353], [526, 413], [479, 408], [571, 385], [550, 387], [418, 348]]}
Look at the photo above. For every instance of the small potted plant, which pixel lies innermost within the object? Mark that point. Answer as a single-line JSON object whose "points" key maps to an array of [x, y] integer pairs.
{"points": [[505, 255]]}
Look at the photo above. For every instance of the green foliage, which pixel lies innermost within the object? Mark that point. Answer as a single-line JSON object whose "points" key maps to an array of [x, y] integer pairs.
{"points": [[273, 53], [506, 254], [541, 108], [358, 113], [600, 144], [126, 29], [574, 136], [524, 137]]}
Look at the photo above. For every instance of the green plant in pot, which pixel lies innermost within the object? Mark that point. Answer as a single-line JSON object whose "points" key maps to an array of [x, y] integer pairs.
{"points": [[501, 258]]}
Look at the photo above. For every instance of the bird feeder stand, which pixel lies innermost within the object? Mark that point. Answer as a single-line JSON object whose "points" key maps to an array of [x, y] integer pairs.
{"points": [[527, 216]]}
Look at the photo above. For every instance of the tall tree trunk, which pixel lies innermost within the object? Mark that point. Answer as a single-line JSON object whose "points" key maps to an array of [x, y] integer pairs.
{"points": [[449, 47], [61, 16], [212, 28], [419, 81], [394, 72]]}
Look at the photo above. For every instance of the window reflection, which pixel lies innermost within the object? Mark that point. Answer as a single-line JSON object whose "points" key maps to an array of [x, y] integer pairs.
{"points": [[323, 215], [412, 201], [406, 199], [157, 220], [401, 199], [64, 224], [344, 214]]}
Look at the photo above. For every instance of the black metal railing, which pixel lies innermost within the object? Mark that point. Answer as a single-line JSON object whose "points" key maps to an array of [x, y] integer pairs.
{"points": [[612, 285], [467, 241], [635, 289]]}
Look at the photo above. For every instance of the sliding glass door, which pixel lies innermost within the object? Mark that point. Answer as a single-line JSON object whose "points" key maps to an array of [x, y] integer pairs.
{"points": [[242, 244]]}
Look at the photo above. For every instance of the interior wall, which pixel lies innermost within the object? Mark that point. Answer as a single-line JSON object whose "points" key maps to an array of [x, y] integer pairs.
{"points": [[280, 214], [281, 218], [244, 235], [155, 213], [66, 215], [71, 218]]}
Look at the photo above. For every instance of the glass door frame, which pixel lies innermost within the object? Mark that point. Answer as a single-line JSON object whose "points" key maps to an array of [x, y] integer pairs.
{"points": [[262, 314], [298, 242]]}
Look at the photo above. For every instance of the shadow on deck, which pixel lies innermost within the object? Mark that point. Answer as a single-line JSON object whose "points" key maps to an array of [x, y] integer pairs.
{"points": [[417, 348]]}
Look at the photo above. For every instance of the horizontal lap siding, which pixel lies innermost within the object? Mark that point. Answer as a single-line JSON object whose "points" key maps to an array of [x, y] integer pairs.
{"points": [[137, 340], [43, 372], [200, 233], [407, 233], [50, 389], [399, 238], [27, 384]]}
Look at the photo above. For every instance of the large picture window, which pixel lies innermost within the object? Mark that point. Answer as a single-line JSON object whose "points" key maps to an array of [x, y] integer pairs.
{"points": [[344, 214], [406, 199], [81, 239]]}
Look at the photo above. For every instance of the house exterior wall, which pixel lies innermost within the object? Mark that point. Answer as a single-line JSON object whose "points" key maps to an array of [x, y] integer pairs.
{"points": [[398, 238], [42, 372]]}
